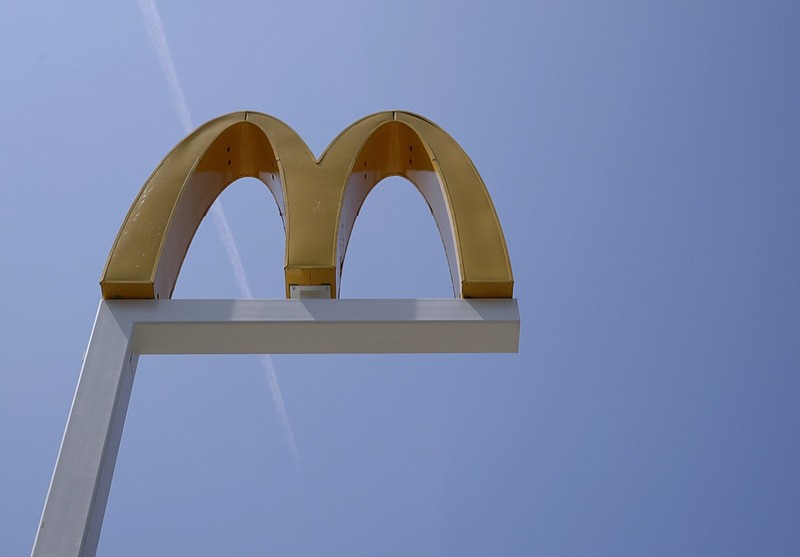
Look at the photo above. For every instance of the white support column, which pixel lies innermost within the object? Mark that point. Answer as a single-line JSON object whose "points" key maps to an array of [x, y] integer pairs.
{"points": [[76, 500], [123, 329]]}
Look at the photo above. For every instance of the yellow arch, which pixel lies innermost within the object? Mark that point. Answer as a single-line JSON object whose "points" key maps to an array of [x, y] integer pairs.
{"points": [[318, 200]]}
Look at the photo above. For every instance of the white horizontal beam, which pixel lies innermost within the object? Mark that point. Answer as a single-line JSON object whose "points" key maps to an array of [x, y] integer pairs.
{"points": [[320, 326]]}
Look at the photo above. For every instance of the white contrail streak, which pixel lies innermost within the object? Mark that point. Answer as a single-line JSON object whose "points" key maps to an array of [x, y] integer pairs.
{"points": [[225, 234], [155, 29], [277, 399], [158, 39]]}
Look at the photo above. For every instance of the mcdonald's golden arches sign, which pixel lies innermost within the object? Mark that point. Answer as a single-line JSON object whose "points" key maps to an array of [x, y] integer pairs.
{"points": [[318, 200]]}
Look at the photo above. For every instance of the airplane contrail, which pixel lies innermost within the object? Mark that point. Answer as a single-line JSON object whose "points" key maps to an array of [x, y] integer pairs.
{"points": [[158, 39]]}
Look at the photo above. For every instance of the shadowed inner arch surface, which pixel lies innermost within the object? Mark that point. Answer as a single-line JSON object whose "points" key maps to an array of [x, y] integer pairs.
{"points": [[394, 237], [257, 239]]}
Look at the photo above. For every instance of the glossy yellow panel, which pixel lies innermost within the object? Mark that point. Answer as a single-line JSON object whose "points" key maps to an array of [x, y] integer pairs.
{"points": [[318, 200]]}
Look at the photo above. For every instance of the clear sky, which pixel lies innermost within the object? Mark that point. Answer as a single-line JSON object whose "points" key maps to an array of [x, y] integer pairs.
{"points": [[644, 159]]}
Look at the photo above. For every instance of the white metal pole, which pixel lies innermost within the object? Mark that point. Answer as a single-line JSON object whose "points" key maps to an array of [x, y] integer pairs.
{"points": [[76, 500]]}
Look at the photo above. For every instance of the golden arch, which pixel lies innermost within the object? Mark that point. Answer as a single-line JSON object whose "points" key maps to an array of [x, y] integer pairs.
{"points": [[318, 200]]}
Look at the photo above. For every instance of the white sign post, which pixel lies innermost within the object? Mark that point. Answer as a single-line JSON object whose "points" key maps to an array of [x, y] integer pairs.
{"points": [[124, 329]]}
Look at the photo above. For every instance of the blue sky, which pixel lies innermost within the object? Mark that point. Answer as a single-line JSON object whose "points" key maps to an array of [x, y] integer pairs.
{"points": [[643, 159]]}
